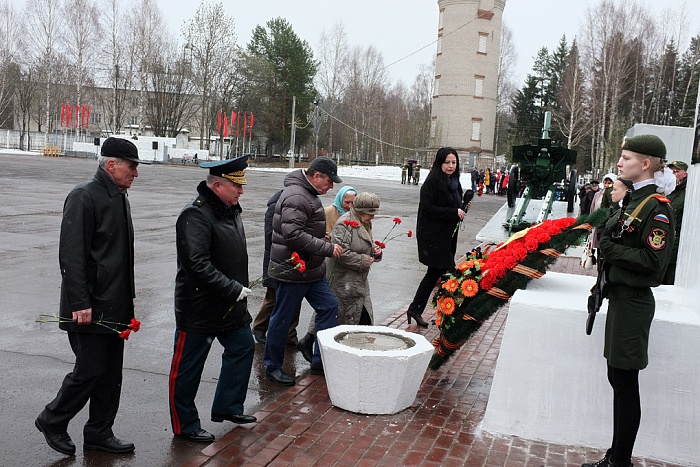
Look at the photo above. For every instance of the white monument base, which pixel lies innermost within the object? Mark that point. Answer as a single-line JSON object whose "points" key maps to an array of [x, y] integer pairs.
{"points": [[551, 382], [373, 381]]}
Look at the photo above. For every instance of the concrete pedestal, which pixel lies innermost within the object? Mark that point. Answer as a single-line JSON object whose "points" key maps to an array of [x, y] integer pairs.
{"points": [[551, 383], [373, 381]]}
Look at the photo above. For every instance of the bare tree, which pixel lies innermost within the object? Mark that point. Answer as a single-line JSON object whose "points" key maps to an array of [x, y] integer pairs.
{"points": [[505, 85], [9, 55], [571, 118], [82, 34], [331, 75], [42, 41], [211, 46]]}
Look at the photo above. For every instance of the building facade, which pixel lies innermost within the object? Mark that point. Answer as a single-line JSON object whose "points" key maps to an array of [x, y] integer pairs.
{"points": [[466, 77]]}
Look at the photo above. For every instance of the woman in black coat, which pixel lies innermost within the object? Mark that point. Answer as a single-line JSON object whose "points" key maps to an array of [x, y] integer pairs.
{"points": [[439, 212]]}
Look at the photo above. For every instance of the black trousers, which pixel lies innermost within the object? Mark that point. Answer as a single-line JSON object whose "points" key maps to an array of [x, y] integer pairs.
{"points": [[97, 378], [420, 300], [627, 413]]}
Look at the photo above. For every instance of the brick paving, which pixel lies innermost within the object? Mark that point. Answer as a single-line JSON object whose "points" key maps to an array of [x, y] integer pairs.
{"points": [[441, 428]]}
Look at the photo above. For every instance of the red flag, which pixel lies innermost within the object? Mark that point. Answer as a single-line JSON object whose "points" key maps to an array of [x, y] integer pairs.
{"points": [[238, 128], [63, 113], [225, 125], [219, 126], [68, 119], [245, 123], [252, 121], [77, 114]]}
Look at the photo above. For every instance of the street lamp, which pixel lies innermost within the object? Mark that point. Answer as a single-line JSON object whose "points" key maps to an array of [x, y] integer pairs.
{"points": [[317, 118], [188, 49]]}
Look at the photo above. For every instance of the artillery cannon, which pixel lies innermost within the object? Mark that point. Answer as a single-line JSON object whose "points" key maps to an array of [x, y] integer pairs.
{"points": [[539, 172]]}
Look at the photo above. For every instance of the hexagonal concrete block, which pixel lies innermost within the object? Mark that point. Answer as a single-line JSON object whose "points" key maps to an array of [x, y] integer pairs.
{"points": [[377, 378]]}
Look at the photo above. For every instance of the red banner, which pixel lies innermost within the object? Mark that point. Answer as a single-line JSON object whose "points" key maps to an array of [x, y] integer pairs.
{"points": [[225, 125], [245, 123], [77, 114], [252, 121], [238, 128], [68, 114]]}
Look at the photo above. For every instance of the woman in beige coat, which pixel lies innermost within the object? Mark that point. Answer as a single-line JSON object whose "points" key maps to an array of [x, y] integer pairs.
{"points": [[348, 273]]}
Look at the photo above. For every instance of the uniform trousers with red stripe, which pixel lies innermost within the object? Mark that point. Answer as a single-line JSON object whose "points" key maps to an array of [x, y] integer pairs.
{"points": [[191, 350]]}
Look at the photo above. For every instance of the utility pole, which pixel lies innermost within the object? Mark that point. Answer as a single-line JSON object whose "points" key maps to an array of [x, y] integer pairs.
{"points": [[294, 129]]}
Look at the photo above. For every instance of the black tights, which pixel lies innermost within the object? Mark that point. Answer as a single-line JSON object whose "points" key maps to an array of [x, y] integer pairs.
{"points": [[424, 288], [627, 413]]}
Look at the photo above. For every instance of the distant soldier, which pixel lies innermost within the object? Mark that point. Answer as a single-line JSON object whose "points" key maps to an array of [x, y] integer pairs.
{"points": [[416, 174], [404, 172]]}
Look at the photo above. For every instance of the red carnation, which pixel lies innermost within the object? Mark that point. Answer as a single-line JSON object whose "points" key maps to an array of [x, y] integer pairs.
{"points": [[380, 244], [135, 324], [302, 266], [354, 224], [295, 258], [125, 334], [347, 222], [410, 234], [397, 220]]}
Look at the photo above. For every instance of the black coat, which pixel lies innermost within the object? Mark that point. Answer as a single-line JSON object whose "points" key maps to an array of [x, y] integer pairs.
{"points": [[437, 219], [212, 266], [96, 255]]}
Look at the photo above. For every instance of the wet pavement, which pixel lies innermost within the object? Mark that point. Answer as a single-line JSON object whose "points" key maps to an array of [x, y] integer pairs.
{"points": [[36, 357]]}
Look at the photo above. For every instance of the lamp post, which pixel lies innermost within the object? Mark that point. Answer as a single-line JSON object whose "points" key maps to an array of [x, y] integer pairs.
{"points": [[189, 47], [316, 119]]}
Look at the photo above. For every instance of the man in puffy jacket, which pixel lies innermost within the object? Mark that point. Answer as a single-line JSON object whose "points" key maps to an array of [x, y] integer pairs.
{"points": [[211, 287], [299, 226]]}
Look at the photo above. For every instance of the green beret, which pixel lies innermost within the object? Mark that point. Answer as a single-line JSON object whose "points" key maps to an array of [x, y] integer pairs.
{"points": [[651, 145], [679, 165]]}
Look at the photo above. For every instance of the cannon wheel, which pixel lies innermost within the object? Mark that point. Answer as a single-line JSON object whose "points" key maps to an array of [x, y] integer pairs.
{"points": [[513, 185], [571, 192]]}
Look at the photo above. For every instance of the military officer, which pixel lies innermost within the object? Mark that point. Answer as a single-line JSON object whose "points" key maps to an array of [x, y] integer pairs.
{"points": [[677, 197]]}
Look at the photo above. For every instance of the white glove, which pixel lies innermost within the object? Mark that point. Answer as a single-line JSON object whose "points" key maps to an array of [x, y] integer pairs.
{"points": [[244, 293]]}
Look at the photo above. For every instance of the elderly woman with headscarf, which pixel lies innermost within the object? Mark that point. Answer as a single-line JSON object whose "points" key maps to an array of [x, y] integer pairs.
{"points": [[341, 204]]}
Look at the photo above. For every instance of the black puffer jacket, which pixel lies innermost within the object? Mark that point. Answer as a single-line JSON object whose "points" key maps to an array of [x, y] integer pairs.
{"points": [[269, 281], [299, 225], [96, 255], [212, 266]]}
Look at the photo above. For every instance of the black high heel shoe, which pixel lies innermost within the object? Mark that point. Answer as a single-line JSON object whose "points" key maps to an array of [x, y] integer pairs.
{"points": [[419, 319]]}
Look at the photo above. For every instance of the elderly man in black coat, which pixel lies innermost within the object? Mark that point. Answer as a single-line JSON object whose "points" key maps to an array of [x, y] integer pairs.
{"points": [[96, 255]]}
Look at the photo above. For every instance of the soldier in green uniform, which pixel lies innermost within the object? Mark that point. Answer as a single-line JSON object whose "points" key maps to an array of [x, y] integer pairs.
{"points": [[637, 252], [677, 197]]}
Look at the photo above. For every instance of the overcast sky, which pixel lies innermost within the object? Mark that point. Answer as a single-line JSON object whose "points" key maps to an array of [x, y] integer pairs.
{"points": [[401, 28]]}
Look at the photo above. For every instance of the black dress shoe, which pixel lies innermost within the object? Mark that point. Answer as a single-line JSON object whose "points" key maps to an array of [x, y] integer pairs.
{"points": [[317, 369], [306, 346], [61, 442], [112, 444], [240, 419], [198, 436], [280, 377]]}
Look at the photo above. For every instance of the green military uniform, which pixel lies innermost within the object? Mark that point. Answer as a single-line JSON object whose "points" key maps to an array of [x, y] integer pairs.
{"points": [[637, 261], [677, 198], [607, 201], [404, 173]]}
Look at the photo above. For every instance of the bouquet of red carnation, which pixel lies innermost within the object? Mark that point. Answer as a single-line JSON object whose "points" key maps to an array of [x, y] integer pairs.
{"points": [[382, 244], [134, 325]]}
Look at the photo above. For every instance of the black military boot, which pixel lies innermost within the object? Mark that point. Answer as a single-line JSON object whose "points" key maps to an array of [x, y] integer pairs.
{"points": [[306, 346]]}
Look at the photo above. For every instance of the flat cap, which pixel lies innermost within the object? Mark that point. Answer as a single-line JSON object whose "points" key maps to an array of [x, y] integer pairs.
{"points": [[651, 145], [121, 148], [232, 169]]}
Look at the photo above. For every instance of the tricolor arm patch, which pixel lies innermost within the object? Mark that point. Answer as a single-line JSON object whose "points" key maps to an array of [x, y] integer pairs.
{"points": [[661, 217]]}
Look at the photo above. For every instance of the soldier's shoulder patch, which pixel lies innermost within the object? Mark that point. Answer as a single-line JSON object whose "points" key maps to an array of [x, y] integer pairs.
{"points": [[661, 217], [661, 198], [657, 239]]}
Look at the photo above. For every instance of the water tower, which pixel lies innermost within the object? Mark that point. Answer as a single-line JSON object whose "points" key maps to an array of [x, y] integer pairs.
{"points": [[466, 77]]}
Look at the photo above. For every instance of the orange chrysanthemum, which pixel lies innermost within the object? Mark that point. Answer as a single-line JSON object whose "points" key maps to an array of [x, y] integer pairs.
{"points": [[451, 285], [469, 288], [448, 306]]}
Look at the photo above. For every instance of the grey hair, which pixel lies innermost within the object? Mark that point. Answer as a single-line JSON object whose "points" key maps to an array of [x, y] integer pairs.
{"points": [[102, 160]]}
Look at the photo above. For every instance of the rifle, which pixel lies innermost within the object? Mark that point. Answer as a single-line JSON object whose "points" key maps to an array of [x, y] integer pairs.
{"points": [[600, 289], [466, 199]]}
